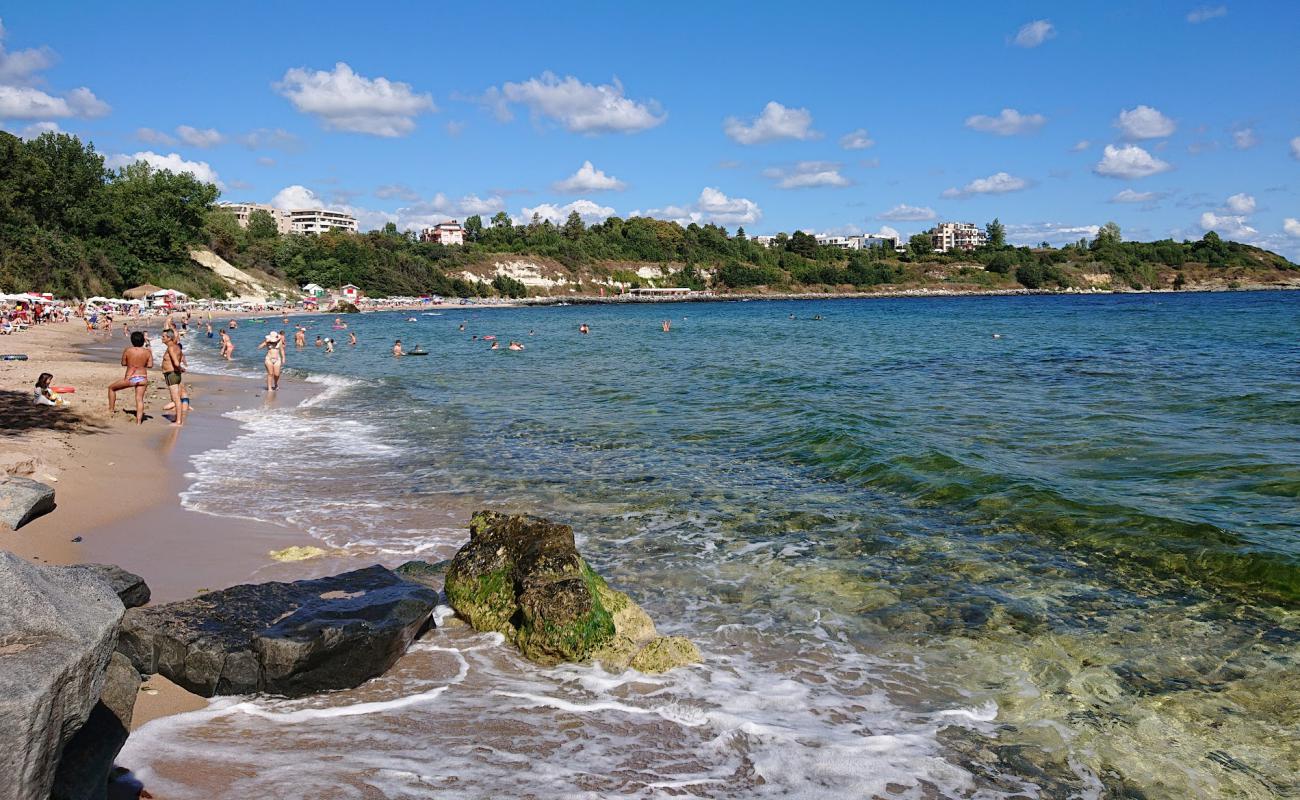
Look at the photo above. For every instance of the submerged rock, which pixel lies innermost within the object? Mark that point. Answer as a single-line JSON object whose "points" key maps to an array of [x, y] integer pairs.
{"points": [[522, 576], [57, 632], [289, 639], [23, 500]]}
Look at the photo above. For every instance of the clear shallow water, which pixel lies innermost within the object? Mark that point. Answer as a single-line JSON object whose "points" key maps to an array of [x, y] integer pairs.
{"points": [[920, 560]]}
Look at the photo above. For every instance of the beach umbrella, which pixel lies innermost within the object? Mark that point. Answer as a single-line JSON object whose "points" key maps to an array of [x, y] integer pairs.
{"points": [[141, 291]]}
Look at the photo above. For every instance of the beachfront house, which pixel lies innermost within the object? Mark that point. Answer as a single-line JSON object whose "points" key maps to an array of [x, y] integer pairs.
{"points": [[350, 293], [447, 233], [314, 290]]}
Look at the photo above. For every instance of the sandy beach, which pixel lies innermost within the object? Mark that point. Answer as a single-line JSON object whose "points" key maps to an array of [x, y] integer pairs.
{"points": [[117, 483]]}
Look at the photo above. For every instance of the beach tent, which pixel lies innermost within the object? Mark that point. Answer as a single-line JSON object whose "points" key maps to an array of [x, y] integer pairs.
{"points": [[142, 291]]}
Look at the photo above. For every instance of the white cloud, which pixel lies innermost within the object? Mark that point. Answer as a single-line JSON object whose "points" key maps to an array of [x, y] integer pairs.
{"points": [[1008, 123], [712, 206], [1291, 226], [1144, 122], [270, 139], [1081, 145], [37, 128], [296, 196], [19, 99], [20, 66], [1295, 148], [997, 183], [266, 161], [1241, 203], [1129, 161], [151, 136], [905, 213], [1203, 13], [774, 122], [346, 101], [172, 161], [1056, 233], [807, 175], [398, 190], [1244, 138], [589, 179], [25, 102], [856, 140], [579, 107], [587, 210], [1130, 196], [1032, 34], [196, 137], [1231, 225], [454, 127]]}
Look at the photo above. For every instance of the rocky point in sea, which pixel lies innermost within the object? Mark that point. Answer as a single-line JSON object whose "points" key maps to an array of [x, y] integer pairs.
{"points": [[523, 577]]}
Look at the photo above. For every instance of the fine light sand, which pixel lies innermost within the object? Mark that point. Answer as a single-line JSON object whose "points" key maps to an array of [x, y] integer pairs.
{"points": [[117, 484]]}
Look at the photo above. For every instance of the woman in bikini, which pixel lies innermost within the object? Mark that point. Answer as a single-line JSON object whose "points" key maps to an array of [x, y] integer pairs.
{"points": [[227, 346], [274, 360], [137, 359]]}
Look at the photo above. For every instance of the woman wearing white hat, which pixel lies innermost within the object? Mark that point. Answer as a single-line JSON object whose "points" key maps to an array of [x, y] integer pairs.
{"points": [[274, 360]]}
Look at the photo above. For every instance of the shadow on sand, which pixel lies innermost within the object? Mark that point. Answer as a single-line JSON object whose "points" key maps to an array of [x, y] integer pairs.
{"points": [[19, 414]]}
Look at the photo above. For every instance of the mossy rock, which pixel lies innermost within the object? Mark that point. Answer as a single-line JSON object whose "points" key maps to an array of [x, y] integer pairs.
{"points": [[522, 576], [344, 307]]}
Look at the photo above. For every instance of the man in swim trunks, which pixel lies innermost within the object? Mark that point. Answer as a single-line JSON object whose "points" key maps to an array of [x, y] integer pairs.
{"points": [[172, 369], [137, 359]]}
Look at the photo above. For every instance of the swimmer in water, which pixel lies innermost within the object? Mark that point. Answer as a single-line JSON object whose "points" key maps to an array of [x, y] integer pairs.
{"points": [[583, 328], [320, 341], [227, 346], [397, 348], [300, 337], [329, 345], [233, 325], [352, 338], [462, 326], [516, 346], [667, 325], [495, 346]]}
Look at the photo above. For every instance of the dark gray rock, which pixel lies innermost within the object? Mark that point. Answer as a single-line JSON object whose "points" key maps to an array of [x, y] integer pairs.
{"points": [[130, 588], [87, 761], [57, 632], [23, 500], [424, 573], [288, 639]]}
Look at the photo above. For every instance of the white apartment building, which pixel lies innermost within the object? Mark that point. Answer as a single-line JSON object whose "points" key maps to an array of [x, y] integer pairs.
{"points": [[957, 236], [444, 233], [243, 211], [859, 242], [318, 220], [763, 241]]}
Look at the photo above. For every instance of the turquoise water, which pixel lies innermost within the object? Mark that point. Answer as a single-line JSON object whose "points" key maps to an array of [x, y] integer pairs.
{"points": [[966, 547]]}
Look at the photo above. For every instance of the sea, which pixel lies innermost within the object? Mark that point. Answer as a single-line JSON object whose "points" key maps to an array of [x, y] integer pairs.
{"points": [[959, 547]]}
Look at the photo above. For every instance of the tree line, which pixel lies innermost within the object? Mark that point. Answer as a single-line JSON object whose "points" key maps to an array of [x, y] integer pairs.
{"points": [[71, 226]]}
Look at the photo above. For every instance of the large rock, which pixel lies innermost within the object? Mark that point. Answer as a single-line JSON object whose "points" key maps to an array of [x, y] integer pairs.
{"points": [[87, 761], [523, 577], [130, 588], [22, 500], [289, 639], [57, 632]]}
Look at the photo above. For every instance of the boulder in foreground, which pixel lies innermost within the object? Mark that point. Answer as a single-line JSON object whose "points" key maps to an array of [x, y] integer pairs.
{"points": [[289, 639], [523, 577], [57, 631], [23, 500], [130, 588]]}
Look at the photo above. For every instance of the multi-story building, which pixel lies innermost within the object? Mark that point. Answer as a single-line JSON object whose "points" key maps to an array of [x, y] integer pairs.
{"points": [[318, 220], [763, 241], [858, 242], [957, 236], [243, 211], [444, 233]]}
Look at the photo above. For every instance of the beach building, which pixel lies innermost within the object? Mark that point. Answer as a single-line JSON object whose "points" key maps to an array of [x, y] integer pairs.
{"points": [[858, 242], [447, 233], [957, 236], [763, 241], [243, 211], [666, 291], [318, 220], [350, 293], [314, 290]]}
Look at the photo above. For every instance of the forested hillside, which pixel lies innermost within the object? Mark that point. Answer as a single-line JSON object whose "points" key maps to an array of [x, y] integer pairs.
{"points": [[70, 226]]}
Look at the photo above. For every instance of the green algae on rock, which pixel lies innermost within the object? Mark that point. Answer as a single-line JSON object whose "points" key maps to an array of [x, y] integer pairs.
{"points": [[522, 576]]}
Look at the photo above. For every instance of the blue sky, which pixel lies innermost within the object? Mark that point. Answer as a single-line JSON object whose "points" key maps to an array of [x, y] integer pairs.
{"points": [[833, 117]]}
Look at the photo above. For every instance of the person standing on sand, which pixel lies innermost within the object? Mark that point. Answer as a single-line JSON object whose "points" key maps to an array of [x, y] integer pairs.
{"points": [[274, 360], [172, 373], [137, 359]]}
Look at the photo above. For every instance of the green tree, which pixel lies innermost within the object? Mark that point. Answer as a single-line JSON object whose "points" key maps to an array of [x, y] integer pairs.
{"points": [[920, 244], [997, 233], [501, 220], [1107, 234], [573, 227], [803, 244], [261, 225], [390, 228], [474, 228]]}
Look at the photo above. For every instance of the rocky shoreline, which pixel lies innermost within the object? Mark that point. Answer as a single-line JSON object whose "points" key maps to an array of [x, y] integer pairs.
{"points": [[79, 639]]}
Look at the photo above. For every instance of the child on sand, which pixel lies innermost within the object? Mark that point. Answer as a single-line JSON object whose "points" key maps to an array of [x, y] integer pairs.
{"points": [[44, 395]]}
